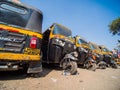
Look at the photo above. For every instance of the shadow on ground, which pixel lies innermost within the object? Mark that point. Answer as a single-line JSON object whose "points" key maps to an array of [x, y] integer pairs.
{"points": [[21, 74]]}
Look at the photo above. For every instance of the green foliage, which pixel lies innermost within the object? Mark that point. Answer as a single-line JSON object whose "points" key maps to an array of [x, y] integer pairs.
{"points": [[115, 26]]}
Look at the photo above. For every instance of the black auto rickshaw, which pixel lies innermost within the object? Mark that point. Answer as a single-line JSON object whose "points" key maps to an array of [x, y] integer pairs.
{"points": [[20, 37], [108, 57], [58, 48], [97, 56], [84, 54]]}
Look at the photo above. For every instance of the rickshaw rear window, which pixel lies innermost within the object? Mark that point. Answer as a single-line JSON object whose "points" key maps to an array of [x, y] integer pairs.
{"points": [[13, 8], [61, 30], [20, 15]]}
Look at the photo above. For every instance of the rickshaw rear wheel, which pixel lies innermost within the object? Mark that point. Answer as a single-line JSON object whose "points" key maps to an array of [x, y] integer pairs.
{"points": [[70, 67]]}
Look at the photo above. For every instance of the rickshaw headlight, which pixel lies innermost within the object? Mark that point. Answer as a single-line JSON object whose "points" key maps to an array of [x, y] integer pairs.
{"points": [[75, 47], [60, 42], [96, 55], [84, 50], [56, 40], [75, 54]]}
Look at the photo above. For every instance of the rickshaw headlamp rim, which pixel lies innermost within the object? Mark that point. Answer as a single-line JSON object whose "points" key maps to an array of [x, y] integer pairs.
{"points": [[59, 42], [75, 54]]}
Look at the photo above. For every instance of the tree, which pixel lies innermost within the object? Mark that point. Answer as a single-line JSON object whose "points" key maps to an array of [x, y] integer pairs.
{"points": [[114, 27]]}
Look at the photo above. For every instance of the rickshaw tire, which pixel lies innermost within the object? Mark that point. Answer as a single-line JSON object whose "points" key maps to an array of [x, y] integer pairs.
{"points": [[114, 66], [102, 67], [93, 67], [73, 66]]}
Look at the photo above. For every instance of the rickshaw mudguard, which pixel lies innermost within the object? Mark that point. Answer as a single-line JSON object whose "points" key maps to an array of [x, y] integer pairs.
{"points": [[68, 56], [71, 57], [91, 60], [35, 67]]}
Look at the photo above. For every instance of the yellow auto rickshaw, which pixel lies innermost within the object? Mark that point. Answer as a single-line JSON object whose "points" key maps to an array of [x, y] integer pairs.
{"points": [[20, 37], [97, 55], [58, 48], [84, 53], [108, 56]]}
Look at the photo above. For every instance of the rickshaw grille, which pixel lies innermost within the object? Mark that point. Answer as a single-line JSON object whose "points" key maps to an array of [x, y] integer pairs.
{"points": [[11, 41]]}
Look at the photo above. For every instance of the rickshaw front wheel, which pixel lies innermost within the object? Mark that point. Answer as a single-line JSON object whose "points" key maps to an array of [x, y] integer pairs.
{"points": [[90, 66], [93, 67], [70, 67]]}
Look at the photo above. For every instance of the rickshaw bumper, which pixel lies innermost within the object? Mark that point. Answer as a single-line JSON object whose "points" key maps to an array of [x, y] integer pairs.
{"points": [[19, 57], [10, 61]]}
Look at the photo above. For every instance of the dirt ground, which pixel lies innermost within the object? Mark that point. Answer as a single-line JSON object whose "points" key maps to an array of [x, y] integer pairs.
{"points": [[53, 79]]}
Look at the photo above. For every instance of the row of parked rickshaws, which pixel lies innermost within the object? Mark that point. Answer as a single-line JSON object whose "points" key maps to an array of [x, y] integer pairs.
{"points": [[24, 46]]}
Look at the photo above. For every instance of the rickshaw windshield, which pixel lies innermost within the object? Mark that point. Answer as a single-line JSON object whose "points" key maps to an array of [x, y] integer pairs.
{"points": [[62, 30], [20, 15], [105, 50], [94, 47], [81, 41]]}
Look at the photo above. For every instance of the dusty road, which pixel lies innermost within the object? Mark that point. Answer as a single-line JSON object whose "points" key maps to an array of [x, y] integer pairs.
{"points": [[52, 79]]}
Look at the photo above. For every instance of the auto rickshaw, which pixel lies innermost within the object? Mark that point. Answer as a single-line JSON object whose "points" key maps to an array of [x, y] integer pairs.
{"points": [[20, 37], [118, 61], [97, 55], [108, 57], [116, 55], [58, 48], [84, 53]]}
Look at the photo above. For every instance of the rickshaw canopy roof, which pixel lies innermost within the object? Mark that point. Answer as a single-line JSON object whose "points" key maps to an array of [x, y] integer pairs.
{"points": [[20, 15], [60, 29]]}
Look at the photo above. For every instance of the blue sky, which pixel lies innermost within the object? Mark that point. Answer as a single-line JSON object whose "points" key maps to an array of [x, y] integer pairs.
{"points": [[87, 18]]}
